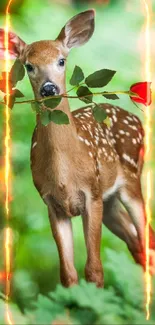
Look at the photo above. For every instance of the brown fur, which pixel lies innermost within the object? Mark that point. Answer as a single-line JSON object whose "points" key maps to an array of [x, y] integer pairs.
{"points": [[85, 167]]}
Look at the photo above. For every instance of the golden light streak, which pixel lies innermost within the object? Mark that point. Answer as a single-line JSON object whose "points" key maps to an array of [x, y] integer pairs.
{"points": [[147, 7], [8, 242], [7, 163], [147, 245]]}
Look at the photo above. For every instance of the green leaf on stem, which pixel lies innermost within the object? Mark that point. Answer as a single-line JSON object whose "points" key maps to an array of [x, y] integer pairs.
{"points": [[77, 76], [11, 100], [18, 93], [107, 121], [52, 102], [99, 78], [110, 96], [99, 113], [17, 72], [85, 93], [36, 107], [56, 116]]}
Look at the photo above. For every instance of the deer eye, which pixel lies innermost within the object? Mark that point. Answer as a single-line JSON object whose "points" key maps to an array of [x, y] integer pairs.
{"points": [[61, 62], [29, 67]]}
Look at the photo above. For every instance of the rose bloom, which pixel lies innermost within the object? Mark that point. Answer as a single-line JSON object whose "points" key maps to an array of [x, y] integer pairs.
{"points": [[143, 90]]}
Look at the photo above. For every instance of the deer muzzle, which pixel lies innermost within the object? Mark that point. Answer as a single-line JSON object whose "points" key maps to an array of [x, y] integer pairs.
{"points": [[49, 89]]}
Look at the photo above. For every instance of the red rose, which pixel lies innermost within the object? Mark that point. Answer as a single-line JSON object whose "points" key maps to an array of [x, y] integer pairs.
{"points": [[3, 86], [11, 45], [143, 90]]}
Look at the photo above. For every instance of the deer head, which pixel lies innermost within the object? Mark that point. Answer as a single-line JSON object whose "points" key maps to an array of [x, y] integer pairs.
{"points": [[45, 60]]}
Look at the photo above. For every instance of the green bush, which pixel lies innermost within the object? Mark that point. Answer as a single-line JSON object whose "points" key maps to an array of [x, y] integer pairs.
{"points": [[121, 302]]}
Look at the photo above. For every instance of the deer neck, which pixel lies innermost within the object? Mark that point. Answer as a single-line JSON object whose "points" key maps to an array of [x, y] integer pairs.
{"points": [[59, 137]]}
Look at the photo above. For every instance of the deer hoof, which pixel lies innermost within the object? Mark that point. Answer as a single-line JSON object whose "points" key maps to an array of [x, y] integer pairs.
{"points": [[94, 274], [69, 279]]}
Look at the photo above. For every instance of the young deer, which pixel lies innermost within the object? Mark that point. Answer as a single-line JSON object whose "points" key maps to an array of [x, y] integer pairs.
{"points": [[84, 168]]}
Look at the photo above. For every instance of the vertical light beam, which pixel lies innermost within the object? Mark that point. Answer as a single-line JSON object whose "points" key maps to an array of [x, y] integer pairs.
{"points": [[7, 164], [147, 7]]}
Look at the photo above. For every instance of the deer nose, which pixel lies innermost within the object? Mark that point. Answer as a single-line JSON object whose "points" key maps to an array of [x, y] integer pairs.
{"points": [[49, 89]]}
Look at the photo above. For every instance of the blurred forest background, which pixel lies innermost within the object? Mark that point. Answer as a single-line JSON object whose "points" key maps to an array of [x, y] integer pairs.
{"points": [[36, 298]]}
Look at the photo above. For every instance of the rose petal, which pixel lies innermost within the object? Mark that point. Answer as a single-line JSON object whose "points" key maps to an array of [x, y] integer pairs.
{"points": [[143, 90]]}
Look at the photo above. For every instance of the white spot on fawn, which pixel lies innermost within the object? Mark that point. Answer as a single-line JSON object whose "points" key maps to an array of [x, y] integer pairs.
{"points": [[136, 119], [121, 132], [34, 144], [87, 109], [133, 127], [130, 160], [87, 142], [81, 139], [91, 133], [87, 114], [78, 115], [133, 229], [114, 118], [129, 118], [134, 141]]}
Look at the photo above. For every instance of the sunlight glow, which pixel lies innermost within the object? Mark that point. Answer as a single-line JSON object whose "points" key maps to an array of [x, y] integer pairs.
{"points": [[7, 164], [147, 7]]}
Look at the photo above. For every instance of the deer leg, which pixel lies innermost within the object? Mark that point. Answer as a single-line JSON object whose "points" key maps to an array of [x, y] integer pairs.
{"points": [[92, 224], [62, 233], [135, 207], [131, 197], [118, 221]]}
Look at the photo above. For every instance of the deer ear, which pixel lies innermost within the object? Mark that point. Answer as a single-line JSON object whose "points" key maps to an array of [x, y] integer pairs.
{"points": [[16, 45], [78, 30]]}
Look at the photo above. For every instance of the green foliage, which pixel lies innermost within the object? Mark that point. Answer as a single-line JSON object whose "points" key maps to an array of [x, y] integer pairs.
{"points": [[18, 93], [17, 72], [99, 78], [11, 100], [121, 302], [107, 121], [56, 116], [85, 94], [110, 96], [52, 102], [77, 76], [36, 107], [99, 113]]}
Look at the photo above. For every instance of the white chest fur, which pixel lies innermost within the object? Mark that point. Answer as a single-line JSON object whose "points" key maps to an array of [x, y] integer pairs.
{"points": [[119, 182]]}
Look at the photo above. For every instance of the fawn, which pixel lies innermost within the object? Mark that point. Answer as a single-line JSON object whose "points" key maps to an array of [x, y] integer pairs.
{"points": [[84, 168]]}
